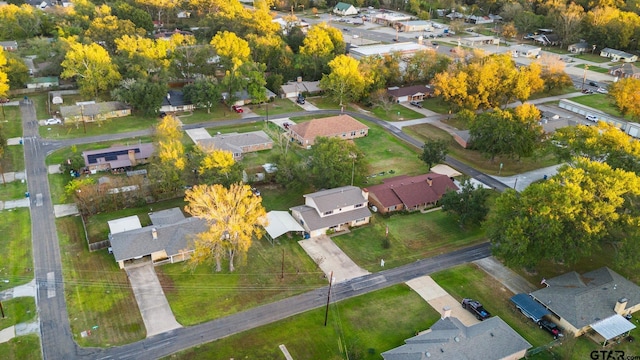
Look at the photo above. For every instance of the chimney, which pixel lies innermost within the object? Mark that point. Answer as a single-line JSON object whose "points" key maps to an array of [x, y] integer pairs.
{"points": [[446, 312], [621, 306], [299, 79], [132, 157], [430, 181], [154, 233]]}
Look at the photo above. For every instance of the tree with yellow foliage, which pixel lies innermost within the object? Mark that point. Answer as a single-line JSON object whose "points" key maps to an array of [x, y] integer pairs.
{"points": [[91, 66], [167, 168], [234, 215], [233, 51], [626, 94], [346, 81], [4, 80]]}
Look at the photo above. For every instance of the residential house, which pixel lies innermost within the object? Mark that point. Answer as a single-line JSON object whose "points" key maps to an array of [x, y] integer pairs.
{"points": [[626, 70], [243, 97], [9, 45], [342, 126], [547, 38], [581, 302], [294, 88], [479, 41], [405, 49], [618, 55], [449, 338], [332, 210], [43, 82], [410, 93], [174, 102], [473, 19], [523, 50], [580, 47], [409, 192], [117, 157], [238, 143], [344, 9], [168, 240], [183, 14], [287, 26], [91, 111], [166, 35], [454, 15]]}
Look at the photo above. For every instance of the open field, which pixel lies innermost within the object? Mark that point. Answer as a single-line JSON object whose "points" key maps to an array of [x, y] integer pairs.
{"points": [[13, 159], [365, 326], [22, 347], [15, 242], [592, 57], [218, 112], [99, 296], [257, 280], [324, 102], [12, 191], [396, 113], [18, 310], [412, 236], [597, 69], [601, 102], [11, 121], [108, 126], [278, 106]]}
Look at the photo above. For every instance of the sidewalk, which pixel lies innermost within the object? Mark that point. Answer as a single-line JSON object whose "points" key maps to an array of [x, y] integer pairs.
{"points": [[28, 289]]}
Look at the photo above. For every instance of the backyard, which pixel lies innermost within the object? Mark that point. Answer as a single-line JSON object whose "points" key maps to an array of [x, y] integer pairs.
{"points": [[357, 328]]}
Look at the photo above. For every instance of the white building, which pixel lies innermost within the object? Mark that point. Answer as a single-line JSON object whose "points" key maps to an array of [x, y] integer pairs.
{"points": [[404, 48]]}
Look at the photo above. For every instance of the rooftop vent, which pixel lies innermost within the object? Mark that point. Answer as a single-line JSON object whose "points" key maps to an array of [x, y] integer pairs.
{"points": [[154, 233]]}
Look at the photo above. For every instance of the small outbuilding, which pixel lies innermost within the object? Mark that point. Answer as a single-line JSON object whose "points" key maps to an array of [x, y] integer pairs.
{"points": [[344, 9]]}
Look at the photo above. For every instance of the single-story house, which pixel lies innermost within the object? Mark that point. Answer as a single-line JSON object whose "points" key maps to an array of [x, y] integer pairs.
{"points": [[169, 239], [332, 210], [448, 338], [524, 50], [626, 70], [409, 192], [454, 15], [580, 47], [390, 18], [474, 19], [166, 35], [293, 88], [547, 39], [344, 9], [183, 14], [43, 82], [9, 45], [342, 126], [238, 143], [175, 101], [415, 25], [117, 157], [618, 55], [405, 49], [90, 112], [410, 93], [243, 97], [581, 302], [286, 26], [479, 40]]}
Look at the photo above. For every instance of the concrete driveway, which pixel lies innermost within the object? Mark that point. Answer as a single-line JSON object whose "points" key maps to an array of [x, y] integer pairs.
{"points": [[154, 308], [330, 258], [438, 298]]}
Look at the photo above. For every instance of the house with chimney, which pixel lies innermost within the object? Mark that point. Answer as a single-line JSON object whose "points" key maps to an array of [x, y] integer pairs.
{"points": [[596, 303], [168, 240], [449, 338], [332, 210], [409, 192], [117, 157]]}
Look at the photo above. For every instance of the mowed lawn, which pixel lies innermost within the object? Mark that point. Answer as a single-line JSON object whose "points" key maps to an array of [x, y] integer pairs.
{"points": [[18, 310], [22, 347], [15, 242], [98, 293], [357, 328], [258, 280], [601, 102], [412, 237]]}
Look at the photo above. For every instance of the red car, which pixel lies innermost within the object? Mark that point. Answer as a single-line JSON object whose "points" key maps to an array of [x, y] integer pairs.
{"points": [[237, 109]]}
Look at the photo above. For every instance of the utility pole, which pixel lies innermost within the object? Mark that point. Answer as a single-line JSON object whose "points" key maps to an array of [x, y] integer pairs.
{"points": [[326, 312], [84, 124], [2, 310], [282, 276], [584, 77]]}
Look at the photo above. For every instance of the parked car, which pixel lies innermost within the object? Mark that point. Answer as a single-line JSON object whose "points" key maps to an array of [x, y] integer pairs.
{"points": [[591, 118], [602, 90], [551, 327], [52, 121], [237, 109], [4, 100], [300, 100], [593, 83], [587, 91], [255, 191], [415, 103], [476, 308]]}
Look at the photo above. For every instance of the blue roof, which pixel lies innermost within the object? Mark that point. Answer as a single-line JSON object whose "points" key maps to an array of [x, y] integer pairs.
{"points": [[530, 306]]}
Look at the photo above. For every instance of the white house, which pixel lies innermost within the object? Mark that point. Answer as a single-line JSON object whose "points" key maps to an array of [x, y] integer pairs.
{"points": [[525, 50], [618, 55], [332, 210], [344, 9]]}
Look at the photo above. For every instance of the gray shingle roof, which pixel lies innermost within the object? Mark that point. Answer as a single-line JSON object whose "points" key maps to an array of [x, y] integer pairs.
{"points": [[314, 222], [236, 142], [332, 199], [584, 299], [166, 217], [448, 339], [92, 109]]}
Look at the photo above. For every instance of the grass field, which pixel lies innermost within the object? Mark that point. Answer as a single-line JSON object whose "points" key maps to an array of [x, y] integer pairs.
{"points": [[13, 190], [257, 280], [108, 126], [218, 112], [15, 242], [396, 113], [597, 69], [22, 347], [365, 326], [436, 104], [601, 102], [98, 293], [413, 236], [324, 102], [592, 57], [18, 310], [278, 106], [13, 159], [11, 121]]}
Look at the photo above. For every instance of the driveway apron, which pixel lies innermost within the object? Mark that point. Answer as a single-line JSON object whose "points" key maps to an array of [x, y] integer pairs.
{"points": [[330, 257], [155, 310], [439, 299]]}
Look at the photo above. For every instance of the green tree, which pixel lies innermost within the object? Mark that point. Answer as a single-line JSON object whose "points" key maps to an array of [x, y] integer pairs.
{"points": [[626, 94], [91, 66], [138, 17], [345, 82], [469, 204], [17, 71], [204, 93], [434, 152], [144, 95], [334, 163]]}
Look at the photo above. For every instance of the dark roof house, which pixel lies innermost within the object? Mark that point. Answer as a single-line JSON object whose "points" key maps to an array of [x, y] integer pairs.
{"points": [[175, 101], [626, 70], [117, 157], [410, 93], [449, 338]]}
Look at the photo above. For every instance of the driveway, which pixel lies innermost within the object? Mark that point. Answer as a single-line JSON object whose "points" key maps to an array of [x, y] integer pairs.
{"points": [[507, 277], [521, 181], [154, 308], [330, 258], [438, 298]]}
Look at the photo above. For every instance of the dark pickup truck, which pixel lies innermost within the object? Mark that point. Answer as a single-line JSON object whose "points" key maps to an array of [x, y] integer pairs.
{"points": [[476, 308]]}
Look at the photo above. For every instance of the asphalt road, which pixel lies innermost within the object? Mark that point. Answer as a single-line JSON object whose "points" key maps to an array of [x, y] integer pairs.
{"points": [[56, 337]]}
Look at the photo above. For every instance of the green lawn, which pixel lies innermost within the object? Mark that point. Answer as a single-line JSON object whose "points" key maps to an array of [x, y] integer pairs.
{"points": [[220, 112], [324, 102], [22, 347], [13, 190], [413, 236], [554, 92], [109, 126], [592, 57], [278, 106], [13, 159], [597, 69], [40, 102], [98, 293], [11, 121], [278, 198], [436, 104], [366, 326], [396, 113], [601, 102], [15, 242], [18, 310], [256, 281]]}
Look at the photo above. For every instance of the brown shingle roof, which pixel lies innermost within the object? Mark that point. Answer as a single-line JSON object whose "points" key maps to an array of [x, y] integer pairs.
{"points": [[412, 191], [330, 126]]}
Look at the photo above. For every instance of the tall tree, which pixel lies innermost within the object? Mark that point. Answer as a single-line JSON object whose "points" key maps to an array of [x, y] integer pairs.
{"points": [[345, 82], [204, 93], [167, 168], [434, 152], [316, 50], [144, 95], [232, 50], [626, 94], [4, 80], [335, 163], [234, 216], [469, 204], [91, 66]]}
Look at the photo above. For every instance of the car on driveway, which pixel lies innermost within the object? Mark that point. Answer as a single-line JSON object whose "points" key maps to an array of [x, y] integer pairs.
{"points": [[476, 308], [591, 118], [551, 327], [237, 109], [602, 90], [53, 121], [415, 103], [300, 100]]}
